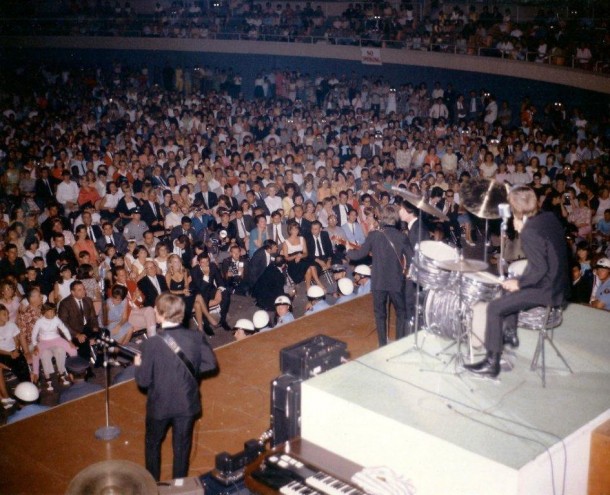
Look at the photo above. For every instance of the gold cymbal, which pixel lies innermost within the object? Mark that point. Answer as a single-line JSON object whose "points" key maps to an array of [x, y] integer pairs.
{"points": [[420, 202], [481, 197], [113, 478]]}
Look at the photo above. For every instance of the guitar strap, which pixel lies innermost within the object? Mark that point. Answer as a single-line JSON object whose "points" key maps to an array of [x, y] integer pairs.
{"points": [[173, 345], [403, 260]]}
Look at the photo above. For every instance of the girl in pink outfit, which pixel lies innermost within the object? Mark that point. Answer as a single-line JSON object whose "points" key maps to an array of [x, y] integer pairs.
{"points": [[48, 341]]}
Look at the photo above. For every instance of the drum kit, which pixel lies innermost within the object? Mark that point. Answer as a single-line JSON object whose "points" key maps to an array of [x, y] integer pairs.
{"points": [[454, 289]]}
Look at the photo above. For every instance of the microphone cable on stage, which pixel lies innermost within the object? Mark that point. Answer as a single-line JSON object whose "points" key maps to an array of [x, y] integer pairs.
{"points": [[487, 413]]}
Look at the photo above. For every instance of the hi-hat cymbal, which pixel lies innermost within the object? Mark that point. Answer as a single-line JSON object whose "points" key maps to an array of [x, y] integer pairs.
{"points": [[481, 197], [420, 202], [113, 477], [462, 265]]}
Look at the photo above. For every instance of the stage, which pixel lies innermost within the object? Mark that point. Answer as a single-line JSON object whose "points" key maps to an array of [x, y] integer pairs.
{"points": [[43, 453], [381, 408], [466, 435]]}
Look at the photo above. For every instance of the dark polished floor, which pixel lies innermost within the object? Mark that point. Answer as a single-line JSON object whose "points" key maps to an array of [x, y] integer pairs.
{"points": [[42, 454]]}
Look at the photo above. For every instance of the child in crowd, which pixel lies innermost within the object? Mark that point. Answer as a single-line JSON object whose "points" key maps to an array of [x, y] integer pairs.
{"points": [[48, 343]]}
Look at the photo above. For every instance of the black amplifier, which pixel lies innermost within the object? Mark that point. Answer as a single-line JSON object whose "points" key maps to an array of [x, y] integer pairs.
{"points": [[285, 408], [312, 356]]}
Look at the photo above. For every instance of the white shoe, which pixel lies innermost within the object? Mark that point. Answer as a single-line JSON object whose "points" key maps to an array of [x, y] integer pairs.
{"points": [[8, 401], [49, 387], [64, 380]]}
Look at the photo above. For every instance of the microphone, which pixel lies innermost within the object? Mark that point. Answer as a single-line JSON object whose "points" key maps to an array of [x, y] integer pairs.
{"points": [[505, 214]]}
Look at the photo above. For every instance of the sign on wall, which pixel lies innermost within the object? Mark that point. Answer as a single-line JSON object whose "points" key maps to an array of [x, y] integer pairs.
{"points": [[371, 56]]}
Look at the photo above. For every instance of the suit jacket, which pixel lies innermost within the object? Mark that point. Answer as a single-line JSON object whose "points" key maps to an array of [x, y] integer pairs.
{"points": [[148, 215], [387, 270], [268, 287], [305, 226], [177, 232], [149, 291], [172, 391], [234, 203], [226, 265], [257, 265], [97, 232], [546, 275], [337, 212], [117, 239], [357, 236], [414, 236], [53, 256], [207, 289], [211, 202], [69, 313], [248, 226], [42, 191], [327, 245], [283, 231]]}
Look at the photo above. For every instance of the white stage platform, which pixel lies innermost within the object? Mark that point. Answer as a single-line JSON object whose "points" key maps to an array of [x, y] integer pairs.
{"points": [[463, 435]]}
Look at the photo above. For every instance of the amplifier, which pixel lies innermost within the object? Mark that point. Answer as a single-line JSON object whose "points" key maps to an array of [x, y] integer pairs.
{"points": [[285, 408], [312, 356]]}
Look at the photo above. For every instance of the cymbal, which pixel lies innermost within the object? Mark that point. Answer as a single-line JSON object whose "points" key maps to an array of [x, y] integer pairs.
{"points": [[481, 197], [420, 202], [462, 265], [114, 476]]}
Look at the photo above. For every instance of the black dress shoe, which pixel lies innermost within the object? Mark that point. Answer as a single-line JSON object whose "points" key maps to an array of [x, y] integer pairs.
{"points": [[208, 330], [225, 325], [490, 366], [511, 338]]}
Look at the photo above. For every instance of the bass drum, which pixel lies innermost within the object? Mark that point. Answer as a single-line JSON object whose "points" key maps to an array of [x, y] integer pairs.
{"points": [[441, 316]]}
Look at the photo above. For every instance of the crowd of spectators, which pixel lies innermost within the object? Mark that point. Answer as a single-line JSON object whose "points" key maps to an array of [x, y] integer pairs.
{"points": [[114, 189], [548, 37]]}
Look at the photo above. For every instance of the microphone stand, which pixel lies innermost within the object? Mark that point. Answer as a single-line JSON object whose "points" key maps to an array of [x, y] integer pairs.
{"points": [[107, 432]]}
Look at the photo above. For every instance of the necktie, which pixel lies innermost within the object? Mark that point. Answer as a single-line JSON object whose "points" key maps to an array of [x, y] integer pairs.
{"points": [[275, 235], [243, 228], [82, 311], [353, 229], [154, 208], [109, 241], [91, 236], [48, 186], [319, 247], [155, 282]]}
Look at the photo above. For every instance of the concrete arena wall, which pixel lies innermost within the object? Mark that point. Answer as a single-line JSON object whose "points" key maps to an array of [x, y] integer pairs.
{"points": [[508, 80]]}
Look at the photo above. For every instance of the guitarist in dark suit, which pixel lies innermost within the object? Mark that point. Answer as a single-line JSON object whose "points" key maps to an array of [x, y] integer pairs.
{"points": [[151, 285], [391, 252]]}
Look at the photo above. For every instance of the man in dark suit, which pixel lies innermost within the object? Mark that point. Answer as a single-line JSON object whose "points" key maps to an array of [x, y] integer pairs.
{"points": [[93, 231], [44, 188], [208, 198], [206, 279], [243, 225], [277, 229], [391, 251], [342, 209], [302, 222], [47, 225], [261, 259], [545, 281], [152, 284], [151, 213], [185, 228], [173, 389], [450, 208], [109, 236], [59, 247], [319, 247], [270, 284], [255, 200], [77, 312], [230, 201], [235, 271]]}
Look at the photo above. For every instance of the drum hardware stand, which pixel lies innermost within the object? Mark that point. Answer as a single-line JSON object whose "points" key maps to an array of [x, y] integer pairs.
{"points": [[107, 432], [487, 243], [504, 209]]}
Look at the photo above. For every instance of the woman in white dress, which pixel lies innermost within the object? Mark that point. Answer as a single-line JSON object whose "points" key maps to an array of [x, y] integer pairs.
{"points": [[300, 267]]}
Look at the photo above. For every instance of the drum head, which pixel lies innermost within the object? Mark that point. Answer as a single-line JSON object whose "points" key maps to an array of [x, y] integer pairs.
{"points": [[437, 251], [516, 268]]}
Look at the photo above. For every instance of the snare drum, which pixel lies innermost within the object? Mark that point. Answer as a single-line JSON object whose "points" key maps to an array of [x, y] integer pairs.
{"points": [[517, 268], [480, 286], [425, 269]]}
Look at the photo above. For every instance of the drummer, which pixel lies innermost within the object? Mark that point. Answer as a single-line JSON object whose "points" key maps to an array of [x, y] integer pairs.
{"points": [[544, 281]]}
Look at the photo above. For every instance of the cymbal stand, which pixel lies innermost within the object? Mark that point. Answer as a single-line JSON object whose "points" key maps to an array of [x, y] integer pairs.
{"points": [[487, 243], [107, 432], [415, 322]]}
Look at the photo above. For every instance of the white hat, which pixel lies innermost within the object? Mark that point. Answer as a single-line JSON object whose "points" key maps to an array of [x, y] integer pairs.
{"points": [[282, 300], [244, 324], [602, 263], [346, 286], [315, 292], [27, 392], [260, 319], [364, 270]]}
